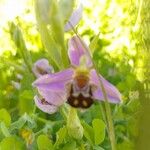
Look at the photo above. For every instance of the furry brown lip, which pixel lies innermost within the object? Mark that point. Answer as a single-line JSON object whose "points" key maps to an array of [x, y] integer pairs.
{"points": [[41, 71], [80, 101]]}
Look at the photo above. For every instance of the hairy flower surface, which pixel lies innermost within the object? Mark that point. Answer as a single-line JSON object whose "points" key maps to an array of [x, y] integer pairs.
{"points": [[77, 85]]}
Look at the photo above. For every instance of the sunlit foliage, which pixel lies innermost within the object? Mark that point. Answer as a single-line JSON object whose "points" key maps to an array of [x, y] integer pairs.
{"points": [[121, 55]]}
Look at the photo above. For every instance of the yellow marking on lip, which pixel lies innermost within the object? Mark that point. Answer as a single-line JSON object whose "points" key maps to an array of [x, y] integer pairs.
{"points": [[76, 102], [84, 102]]}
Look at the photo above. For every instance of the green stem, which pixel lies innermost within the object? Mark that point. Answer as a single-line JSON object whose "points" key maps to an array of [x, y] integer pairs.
{"points": [[64, 56], [45, 121], [107, 105], [139, 12], [103, 114], [40, 119], [39, 132], [108, 115], [63, 112]]}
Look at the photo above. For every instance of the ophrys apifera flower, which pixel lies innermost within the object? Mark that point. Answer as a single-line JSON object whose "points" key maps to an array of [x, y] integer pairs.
{"points": [[77, 85]]}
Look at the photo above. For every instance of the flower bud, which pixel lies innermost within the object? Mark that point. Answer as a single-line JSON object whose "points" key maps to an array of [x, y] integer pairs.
{"points": [[74, 126]]}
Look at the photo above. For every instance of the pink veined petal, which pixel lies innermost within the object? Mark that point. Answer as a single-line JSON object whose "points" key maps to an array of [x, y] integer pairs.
{"points": [[55, 81], [77, 49], [75, 18], [47, 108], [53, 97], [112, 92], [52, 87]]}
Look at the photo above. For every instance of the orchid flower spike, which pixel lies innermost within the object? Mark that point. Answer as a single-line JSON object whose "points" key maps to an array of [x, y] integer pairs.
{"points": [[41, 67], [77, 85]]}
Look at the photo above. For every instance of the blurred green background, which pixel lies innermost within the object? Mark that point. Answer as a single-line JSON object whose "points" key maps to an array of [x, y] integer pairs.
{"points": [[121, 55]]}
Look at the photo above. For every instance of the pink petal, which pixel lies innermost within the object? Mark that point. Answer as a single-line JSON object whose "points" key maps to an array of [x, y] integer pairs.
{"points": [[55, 81], [50, 109], [52, 87], [41, 67], [112, 92], [75, 18], [54, 97], [77, 49]]}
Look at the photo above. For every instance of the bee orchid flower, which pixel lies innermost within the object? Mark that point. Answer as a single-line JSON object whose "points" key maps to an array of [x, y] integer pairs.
{"points": [[77, 85]]}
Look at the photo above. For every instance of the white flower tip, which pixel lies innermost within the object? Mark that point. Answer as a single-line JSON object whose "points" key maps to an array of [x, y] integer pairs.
{"points": [[17, 85], [75, 18]]}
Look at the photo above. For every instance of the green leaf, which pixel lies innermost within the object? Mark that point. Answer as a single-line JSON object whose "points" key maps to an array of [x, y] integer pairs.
{"points": [[4, 129], [82, 147], [46, 36], [96, 111], [26, 102], [44, 10], [99, 131], [57, 29], [97, 148], [18, 39], [19, 123], [56, 23], [126, 145], [88, 132], [44, 143], [61, 134], [24, 120], [5, 117], [11, 143], [93, 43], [70, 146], [66, 8]]}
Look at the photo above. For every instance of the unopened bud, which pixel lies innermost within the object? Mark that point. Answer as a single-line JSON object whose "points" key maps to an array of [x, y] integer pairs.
{"points": [[42, 67], [74, 126]]}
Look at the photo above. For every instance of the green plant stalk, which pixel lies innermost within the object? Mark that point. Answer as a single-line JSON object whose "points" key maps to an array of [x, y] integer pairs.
{"points": [[139, 13], [47, 40], [109, 118], [28, 64], [103, 114], [58, 26], [107, 109], [63, 112], [44, 120], [22, 49], [64, 56], [74, 126], [107, 105]]}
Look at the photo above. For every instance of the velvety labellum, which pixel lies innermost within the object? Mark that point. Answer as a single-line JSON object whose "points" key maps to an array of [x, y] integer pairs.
{"points": [[80, 101]]}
